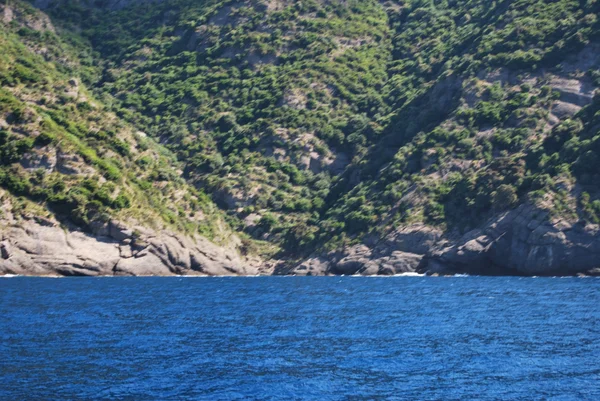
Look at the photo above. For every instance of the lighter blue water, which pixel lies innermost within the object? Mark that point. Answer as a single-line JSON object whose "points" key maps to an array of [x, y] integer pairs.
{"points": [[293, 338]]}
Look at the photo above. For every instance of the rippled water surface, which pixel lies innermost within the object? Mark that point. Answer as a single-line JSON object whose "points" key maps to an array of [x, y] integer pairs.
{"points": [[313, 338]]}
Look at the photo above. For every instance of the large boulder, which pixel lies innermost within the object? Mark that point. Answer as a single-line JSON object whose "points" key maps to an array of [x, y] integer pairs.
{"points": [[400, 262], [313, 266], [361, 260], [355, 260], [146, 265], [119, 231]]}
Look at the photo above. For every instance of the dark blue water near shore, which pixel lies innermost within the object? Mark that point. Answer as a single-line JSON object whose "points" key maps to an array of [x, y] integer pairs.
{"points": [[279, 338]]}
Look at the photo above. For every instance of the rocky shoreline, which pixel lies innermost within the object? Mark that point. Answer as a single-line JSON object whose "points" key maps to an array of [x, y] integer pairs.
{"points": [[43, 248], [524, 241]]}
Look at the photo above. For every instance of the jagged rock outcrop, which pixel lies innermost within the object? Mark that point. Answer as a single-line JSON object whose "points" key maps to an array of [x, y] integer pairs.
{"points": [[29, 247], [524, 241]]}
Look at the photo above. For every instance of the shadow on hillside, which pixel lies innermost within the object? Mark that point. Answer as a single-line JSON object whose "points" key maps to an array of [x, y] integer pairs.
{"points": [[423, 113]]}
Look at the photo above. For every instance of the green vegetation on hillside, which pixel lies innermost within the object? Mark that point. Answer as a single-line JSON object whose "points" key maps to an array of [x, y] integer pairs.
{"points": [[316, 123], [61, 147]]}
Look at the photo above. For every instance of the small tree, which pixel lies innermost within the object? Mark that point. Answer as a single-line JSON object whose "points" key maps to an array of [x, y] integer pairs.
{"points": [[504, 197], [267, 222]]}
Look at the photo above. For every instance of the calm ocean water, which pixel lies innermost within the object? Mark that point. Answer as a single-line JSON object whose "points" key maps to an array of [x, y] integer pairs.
{"points": [[295, 338]]}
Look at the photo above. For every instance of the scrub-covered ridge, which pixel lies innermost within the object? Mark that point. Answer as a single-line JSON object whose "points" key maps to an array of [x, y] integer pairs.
{"points": [[337, 137]]}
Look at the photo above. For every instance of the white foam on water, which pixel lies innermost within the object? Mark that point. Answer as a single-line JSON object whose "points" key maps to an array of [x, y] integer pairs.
{"points": [[409, 274]]}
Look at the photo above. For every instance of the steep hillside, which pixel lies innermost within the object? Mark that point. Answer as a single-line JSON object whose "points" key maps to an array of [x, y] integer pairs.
{"points": [[377, 137], [67, 159], [495, 90], [265, 102]]}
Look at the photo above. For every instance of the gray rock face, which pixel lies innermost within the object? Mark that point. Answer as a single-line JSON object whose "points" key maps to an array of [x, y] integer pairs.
{"points": [[380, 261], [416, 238], [523, 241], [357, 258], [119, 231], [564, 110], [149, 263], [361, 260], [315, 266], [30, 248], [38, 159], [526, 240], [71, 164], [402, 262]]}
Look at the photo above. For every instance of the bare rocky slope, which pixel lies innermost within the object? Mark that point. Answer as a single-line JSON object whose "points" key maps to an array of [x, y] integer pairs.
{"points": [[40, 246]]}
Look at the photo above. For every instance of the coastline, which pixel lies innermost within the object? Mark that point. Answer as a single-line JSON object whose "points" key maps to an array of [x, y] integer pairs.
{"points": [[521, 242], [415, 275]]}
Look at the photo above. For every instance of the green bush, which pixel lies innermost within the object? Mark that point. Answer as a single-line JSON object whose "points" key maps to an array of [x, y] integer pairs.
{"points": [[504, 197]]}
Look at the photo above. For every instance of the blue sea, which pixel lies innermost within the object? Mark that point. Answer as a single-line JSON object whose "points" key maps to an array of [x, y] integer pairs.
{"points": [[300, 338]]}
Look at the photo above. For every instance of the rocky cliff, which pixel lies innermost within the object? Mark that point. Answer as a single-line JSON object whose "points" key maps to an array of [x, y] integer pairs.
{"points": [[41, 246], [525, 241]]}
